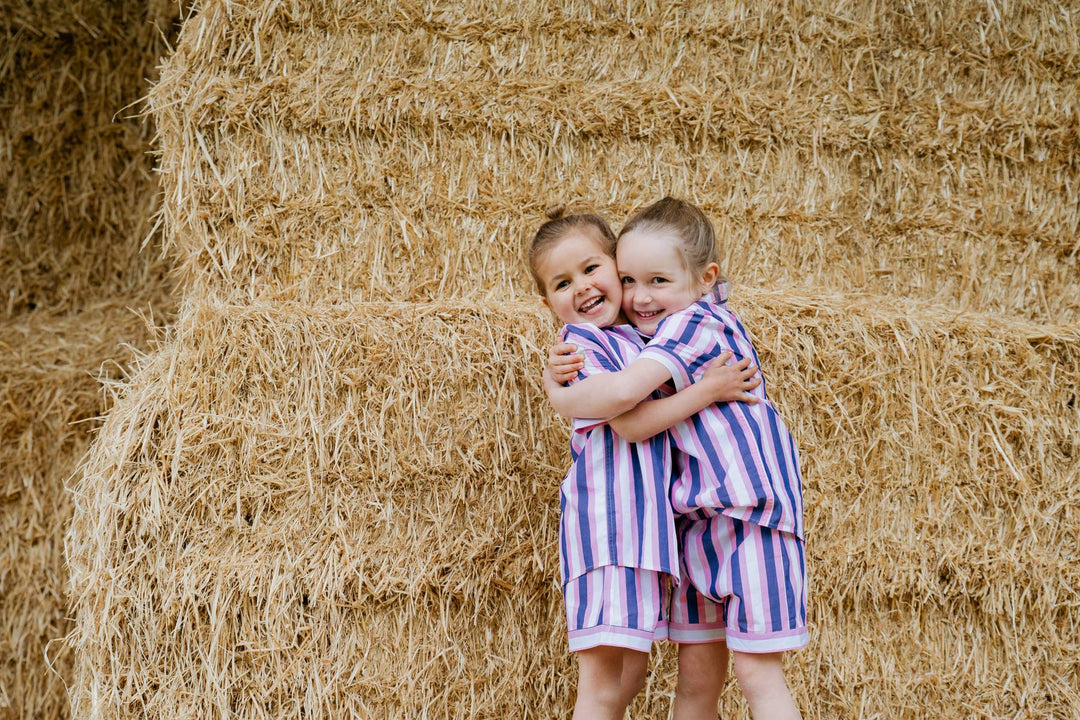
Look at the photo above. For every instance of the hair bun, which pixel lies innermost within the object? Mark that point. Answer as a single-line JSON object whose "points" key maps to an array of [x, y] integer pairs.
{"points": [[554, 212]]}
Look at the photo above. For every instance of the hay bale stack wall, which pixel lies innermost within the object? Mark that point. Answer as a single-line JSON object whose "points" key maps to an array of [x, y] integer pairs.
{"points": [[915, 152], [50, 369], [75, 170], [331, 492], [78, 195]]}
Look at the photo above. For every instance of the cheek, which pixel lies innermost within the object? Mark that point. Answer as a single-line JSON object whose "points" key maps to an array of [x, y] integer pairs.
{"points": [[676, 294]]}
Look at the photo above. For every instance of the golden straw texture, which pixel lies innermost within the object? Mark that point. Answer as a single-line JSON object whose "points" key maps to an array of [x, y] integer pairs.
{"points": [[51, 400], [315, 149], [332, 490], [79, 262], [350, 510], [75, 173]]}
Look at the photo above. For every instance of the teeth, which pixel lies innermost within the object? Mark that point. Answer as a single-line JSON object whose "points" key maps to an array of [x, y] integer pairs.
{"points": [[592, 304]]}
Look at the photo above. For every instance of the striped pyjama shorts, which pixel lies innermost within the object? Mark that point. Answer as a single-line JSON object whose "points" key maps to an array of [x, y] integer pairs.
{"points": [[742, 583], [617, 606]]}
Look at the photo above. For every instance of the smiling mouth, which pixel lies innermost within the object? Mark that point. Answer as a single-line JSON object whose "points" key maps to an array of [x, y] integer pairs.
{"points": [[647, 315], [587, 307]]}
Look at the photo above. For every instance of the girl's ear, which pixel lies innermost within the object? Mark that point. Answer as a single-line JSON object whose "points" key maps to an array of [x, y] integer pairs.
{"points": [[543, 299], [710, 275]]}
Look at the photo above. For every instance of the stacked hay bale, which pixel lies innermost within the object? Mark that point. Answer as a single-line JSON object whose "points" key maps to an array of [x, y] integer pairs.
{"points": [[51, 399], [78, 192], [378, 142], [77, 198], [332, 491]]}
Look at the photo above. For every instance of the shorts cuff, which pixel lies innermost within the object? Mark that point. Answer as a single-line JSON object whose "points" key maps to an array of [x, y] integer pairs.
{"points": [[613, 636], [690, 634], [781, 641]]}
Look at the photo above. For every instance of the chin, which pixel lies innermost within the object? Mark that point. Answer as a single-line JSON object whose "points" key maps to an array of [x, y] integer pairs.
{"points": [[597, 320], [606, 322]]}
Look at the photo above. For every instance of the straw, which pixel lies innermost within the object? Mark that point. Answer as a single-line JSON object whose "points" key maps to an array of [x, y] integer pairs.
{"points": [[312, 150], [331, 490], [50, 394], [350, 510], [75, 175], [81, 265]]}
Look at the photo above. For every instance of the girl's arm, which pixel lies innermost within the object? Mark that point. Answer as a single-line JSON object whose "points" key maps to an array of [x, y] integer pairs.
{"points": [[608, 394], [719, 383]]}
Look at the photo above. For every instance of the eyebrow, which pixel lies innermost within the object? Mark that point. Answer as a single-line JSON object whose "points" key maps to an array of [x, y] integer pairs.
{"points": [[552, 281], [585, 261]]}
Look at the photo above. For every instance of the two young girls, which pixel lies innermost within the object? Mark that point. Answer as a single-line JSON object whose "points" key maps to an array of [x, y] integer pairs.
{"points": [[617, 531], [713, 507]]}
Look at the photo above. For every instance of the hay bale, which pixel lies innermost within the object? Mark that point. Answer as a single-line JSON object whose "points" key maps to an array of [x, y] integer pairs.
{"points": [[331, 492], [944, 452], [76, 252], [75, 175], [330, 149], [283, 517], [50, 403], [349, 510]]}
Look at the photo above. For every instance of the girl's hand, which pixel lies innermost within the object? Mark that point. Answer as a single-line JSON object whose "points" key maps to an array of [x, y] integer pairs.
{"points": [[731, 382], [564, 362]]}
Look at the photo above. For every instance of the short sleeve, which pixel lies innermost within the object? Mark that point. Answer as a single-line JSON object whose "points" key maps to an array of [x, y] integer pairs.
{"points": [[597, 359], [590, 343], [683, 343]]}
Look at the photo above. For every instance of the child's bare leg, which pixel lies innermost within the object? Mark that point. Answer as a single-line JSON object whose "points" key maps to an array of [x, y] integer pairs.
{"points": [[702, 673], [601, 694], [761, 679], [635, 667]]}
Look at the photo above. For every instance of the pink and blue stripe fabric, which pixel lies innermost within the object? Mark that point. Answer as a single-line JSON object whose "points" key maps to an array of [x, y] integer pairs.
{"points": [[614, 499], [742, 582], [736, 458], [617, 606]]}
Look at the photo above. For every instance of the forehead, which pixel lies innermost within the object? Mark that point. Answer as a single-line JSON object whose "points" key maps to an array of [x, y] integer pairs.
{"points": [[656, 251], [568, 252]]}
